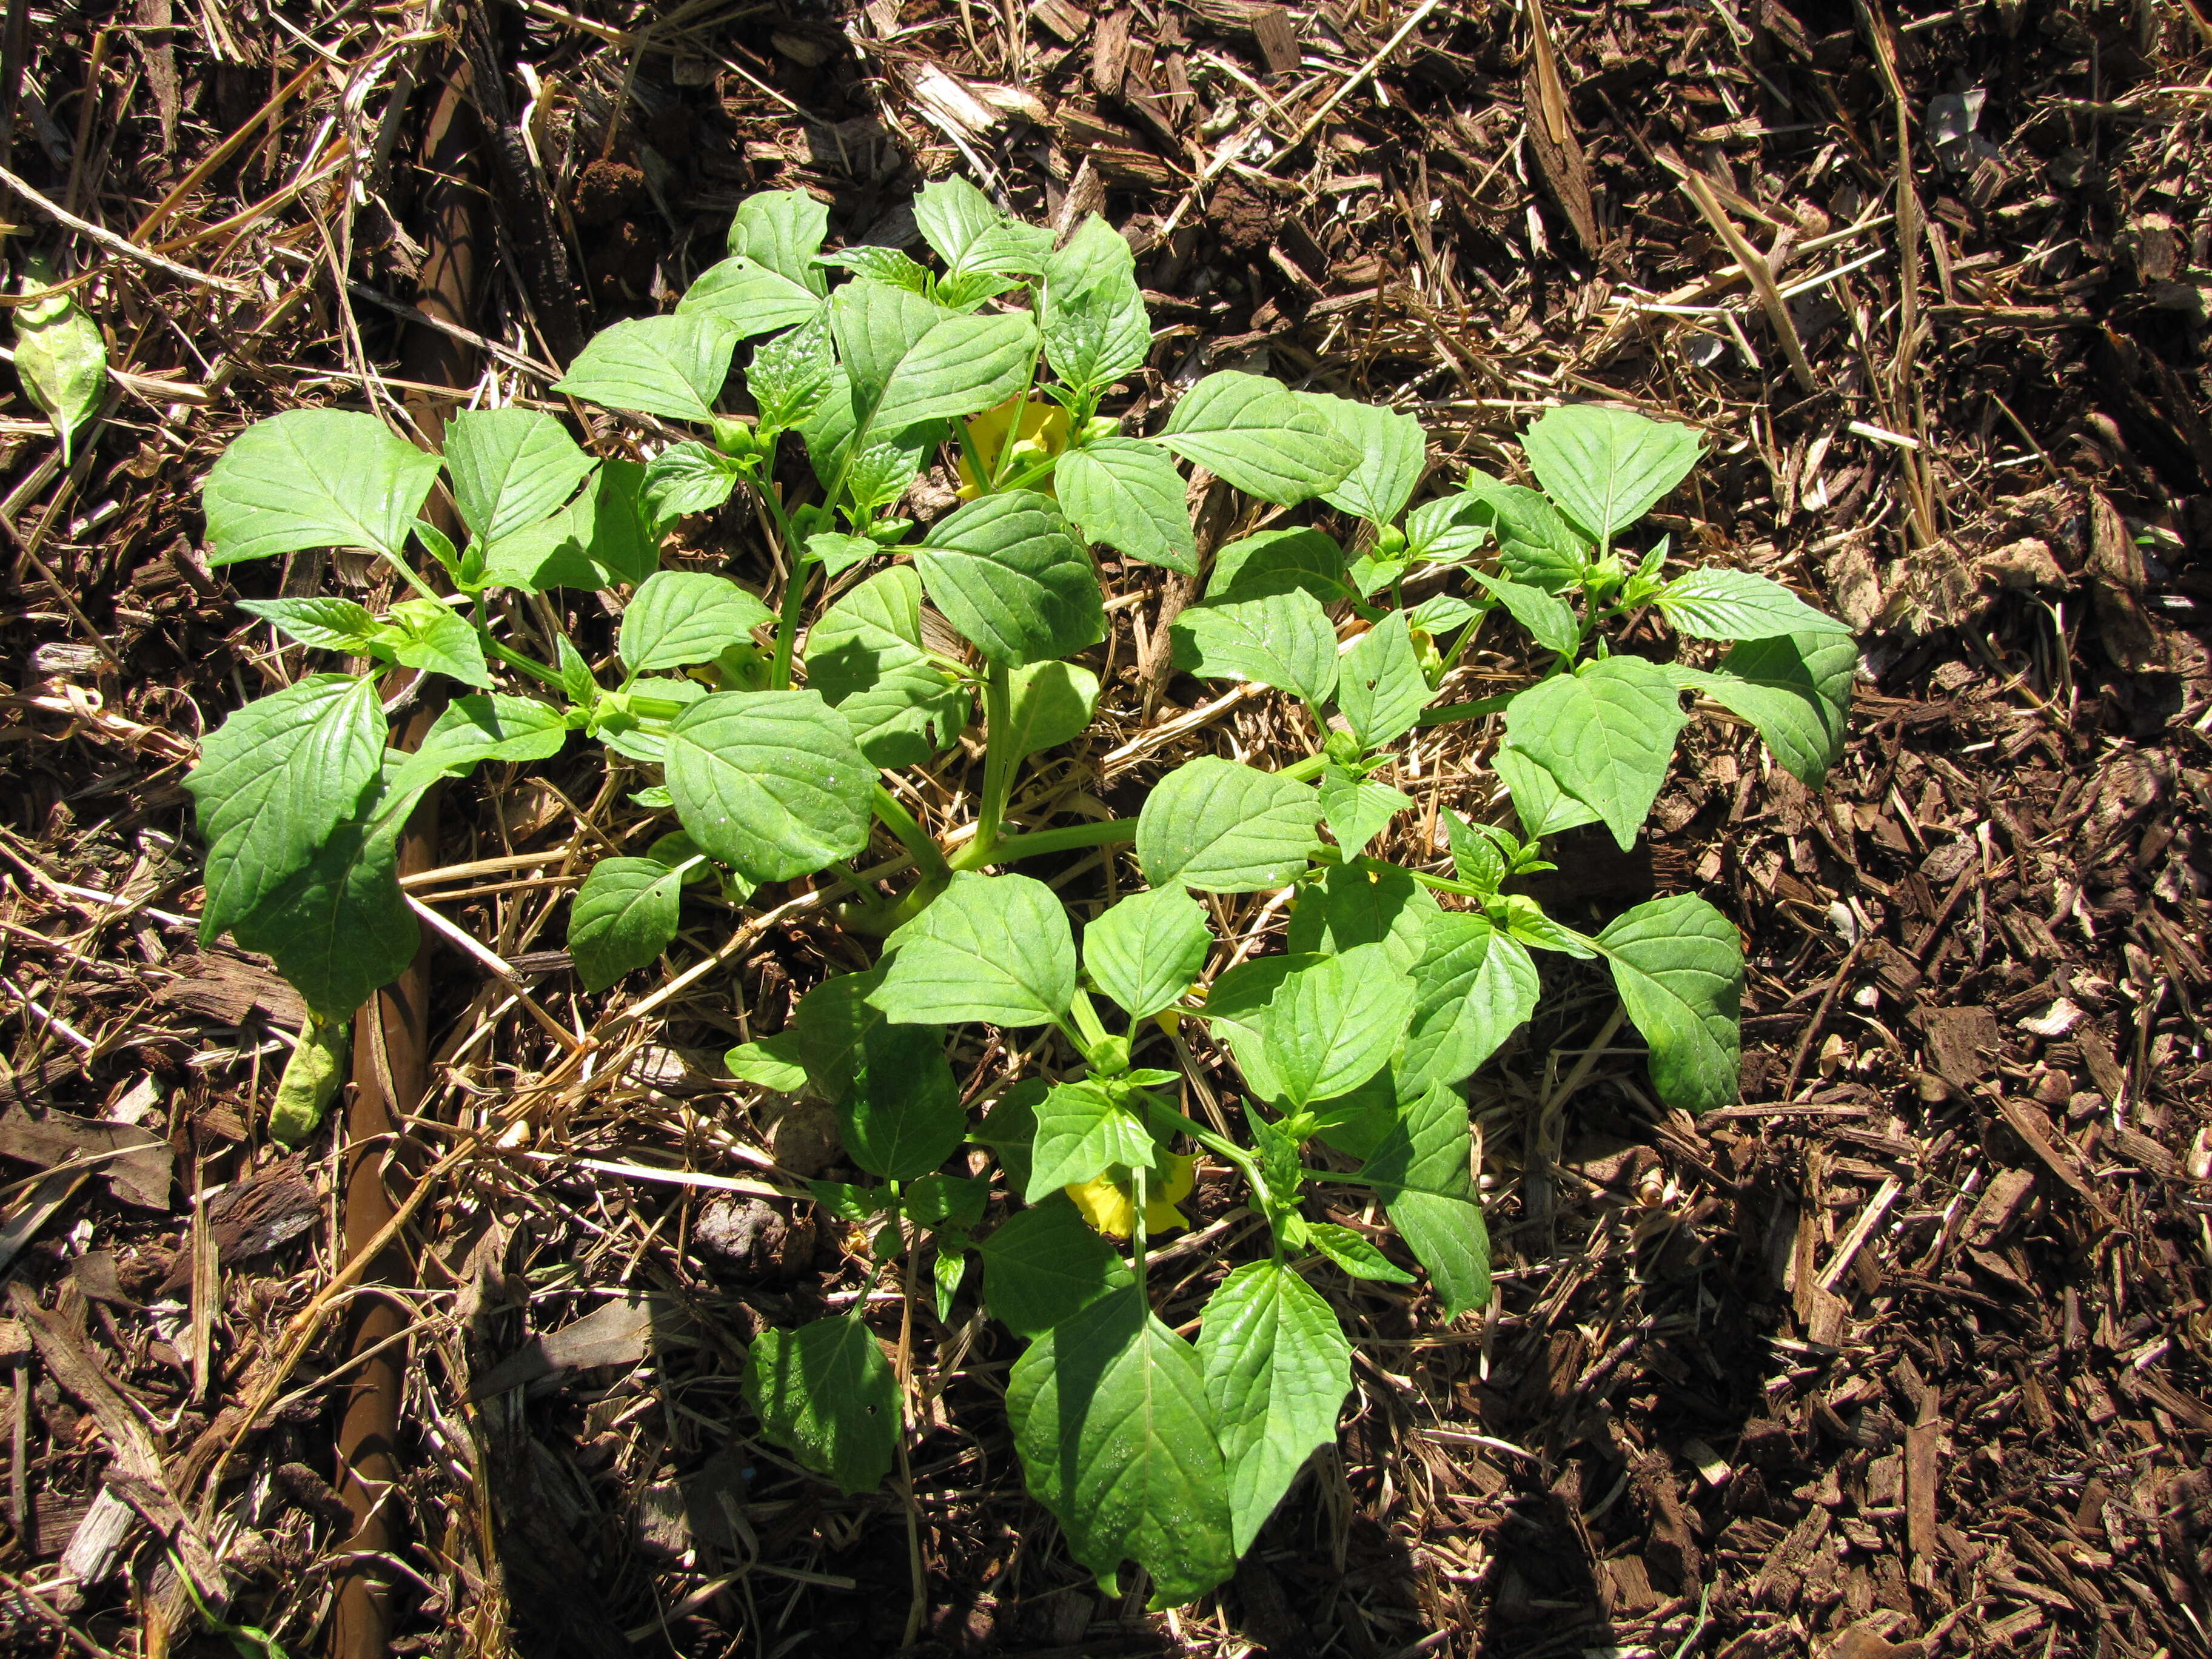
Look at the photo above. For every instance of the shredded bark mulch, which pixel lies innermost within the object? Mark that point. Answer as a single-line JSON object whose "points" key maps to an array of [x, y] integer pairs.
{"points": [[1910, 1353]]}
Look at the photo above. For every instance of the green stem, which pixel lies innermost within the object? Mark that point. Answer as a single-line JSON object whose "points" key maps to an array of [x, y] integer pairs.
{"points": [[1214, 1143], [1037, 843], [786, 624], [1014, 428], [1446, 884], [507, 654], [794, 586], [1307, 770], [974, 457], [1463, 711], [998, 766], [1036, 474], [928, 856], [1137, 1232], [1086, 1013]]}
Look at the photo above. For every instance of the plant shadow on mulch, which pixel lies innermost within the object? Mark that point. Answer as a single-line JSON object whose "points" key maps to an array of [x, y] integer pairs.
{"points": [[1906, 1355]]}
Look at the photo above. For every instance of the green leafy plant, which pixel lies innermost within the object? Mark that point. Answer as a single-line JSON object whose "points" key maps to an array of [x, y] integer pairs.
{"points": [[771, 727]]}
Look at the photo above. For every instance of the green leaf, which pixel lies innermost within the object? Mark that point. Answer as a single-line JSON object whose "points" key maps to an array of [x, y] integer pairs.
{"points": [[1095, 252], [1093, 318], [1333, 1025], [61, 357], [424, 635], [1449, 529], [1606, 732], [1258, 436], [1049, 703], [1421, 1171], [326, 624], [1355, 1253], [948, 1269], [876, 325], [1392, 452], [1524, 919], [902, 1117], [745, 298], [598, 539], [952, 215], [1009, 1129], [848, 1202], [771, 781], [957, 219], [314, 477], [1007, 574], [681, 617], [685, 478], [1440, 613], [1478, 851], [1370, 576], [482, 726], [771, 1062], [791, 376], [825, 1393], [1542, 804], [274, 781], [944, 1200], [1547, 619], [783, 229], [671, 366], [1110, 1416], [836, 552], [1380, 687], [1042, 1266], [880, 473], [1236, 1012], [1363, 902], [1796, 690], [1146, 949], [1127, 493], [510, 468], [1081, 1132], [1225, 828], [1283, 639], [623, 919], [1357, 809], [1474, 987], [962, 365], [338, 927], [889, 266], [1535, 544], [991, 948], [1735, 604], [898, 1103], [1275, 560], [865, 657], [1677, 964], [1607, 467], [1278, 1369], [833, 1021]]}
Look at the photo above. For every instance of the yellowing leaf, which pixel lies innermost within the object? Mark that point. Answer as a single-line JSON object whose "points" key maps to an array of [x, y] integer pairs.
{"points": [[61, 356]]}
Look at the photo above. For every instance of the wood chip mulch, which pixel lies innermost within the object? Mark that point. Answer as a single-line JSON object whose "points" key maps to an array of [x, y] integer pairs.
{"points": [[1909, 1354]]}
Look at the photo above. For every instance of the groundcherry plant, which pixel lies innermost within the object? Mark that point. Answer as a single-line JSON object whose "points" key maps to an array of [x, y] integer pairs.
{"points": [[765, 732]]}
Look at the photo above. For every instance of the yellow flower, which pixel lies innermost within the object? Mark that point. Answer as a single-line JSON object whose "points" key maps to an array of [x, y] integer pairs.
{"points": [[1108, 1202], [1044, 434]]}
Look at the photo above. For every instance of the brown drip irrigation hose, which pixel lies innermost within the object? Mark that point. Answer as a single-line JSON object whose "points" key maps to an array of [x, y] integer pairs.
{"points": [[390, 1049]]}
